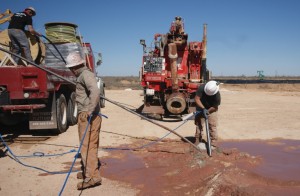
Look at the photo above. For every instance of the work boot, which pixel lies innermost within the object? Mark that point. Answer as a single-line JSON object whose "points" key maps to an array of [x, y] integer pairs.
{"points": [[88, 183], [198, 136], [80, 175]]}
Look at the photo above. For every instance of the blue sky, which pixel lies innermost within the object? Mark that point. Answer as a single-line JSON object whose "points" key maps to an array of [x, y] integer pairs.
{"points": [[244, 36]]}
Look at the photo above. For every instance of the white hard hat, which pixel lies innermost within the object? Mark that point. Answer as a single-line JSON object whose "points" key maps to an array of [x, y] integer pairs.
{"points": [[32, 9], [211, 88], [74, 59]]}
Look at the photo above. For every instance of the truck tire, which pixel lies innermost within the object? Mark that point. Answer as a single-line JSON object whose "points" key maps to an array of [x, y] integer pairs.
{"points": [[72, 110], [102, 101], [61, 114]]}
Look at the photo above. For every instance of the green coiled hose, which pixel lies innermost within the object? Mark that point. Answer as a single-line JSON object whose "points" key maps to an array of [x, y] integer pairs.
{"points": [[61, 32]]}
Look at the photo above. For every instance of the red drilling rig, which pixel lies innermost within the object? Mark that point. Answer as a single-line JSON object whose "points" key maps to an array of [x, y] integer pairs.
{"points": [[171, 72]]}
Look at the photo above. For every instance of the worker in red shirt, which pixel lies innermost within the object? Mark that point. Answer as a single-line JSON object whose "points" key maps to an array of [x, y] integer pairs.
{"points": [[16, 33]]}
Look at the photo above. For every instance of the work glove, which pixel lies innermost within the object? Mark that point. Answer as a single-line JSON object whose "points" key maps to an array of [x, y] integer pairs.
{"points": [[84, 116], [205, 113]]}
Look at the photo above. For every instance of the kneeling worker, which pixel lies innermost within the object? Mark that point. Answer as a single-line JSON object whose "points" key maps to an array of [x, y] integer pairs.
{"points": [[207, 100]]}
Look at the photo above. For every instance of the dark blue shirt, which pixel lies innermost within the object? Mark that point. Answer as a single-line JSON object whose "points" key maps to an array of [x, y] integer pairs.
{"points": [[19, 20]]}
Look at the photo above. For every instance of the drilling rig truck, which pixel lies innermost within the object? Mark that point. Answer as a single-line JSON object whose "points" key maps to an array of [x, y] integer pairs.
{"points": [[172, 71]]}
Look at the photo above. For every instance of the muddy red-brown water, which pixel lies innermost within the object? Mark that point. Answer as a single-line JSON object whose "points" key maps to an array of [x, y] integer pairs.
{"points": [[280, 158], [239, 168]]}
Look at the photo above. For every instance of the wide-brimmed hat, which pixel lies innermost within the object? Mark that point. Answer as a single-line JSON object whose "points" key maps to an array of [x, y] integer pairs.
{"points": [[74, 59]]}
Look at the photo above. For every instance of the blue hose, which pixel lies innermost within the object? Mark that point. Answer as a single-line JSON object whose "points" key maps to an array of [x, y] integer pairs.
{"points": [[81, 142], [20, 162], [41, 154]]}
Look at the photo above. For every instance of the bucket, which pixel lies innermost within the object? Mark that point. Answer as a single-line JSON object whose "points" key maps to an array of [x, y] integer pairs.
{"points": [[59, 32]]}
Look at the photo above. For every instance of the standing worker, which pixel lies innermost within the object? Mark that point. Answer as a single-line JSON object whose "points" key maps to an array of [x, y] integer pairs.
{"points": [[16, 33], [87, 99], [207, 100]]}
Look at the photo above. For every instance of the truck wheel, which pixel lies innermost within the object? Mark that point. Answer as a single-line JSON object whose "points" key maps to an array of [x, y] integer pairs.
{"points": [[102, 101], [72, 110], [61, 114]]}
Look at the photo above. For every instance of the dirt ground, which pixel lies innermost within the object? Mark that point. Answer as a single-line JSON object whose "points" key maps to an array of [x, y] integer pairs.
{"points": [[259, 130]]}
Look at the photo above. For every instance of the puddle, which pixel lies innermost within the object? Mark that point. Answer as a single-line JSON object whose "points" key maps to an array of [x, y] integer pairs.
{"points": [[280, 158], [156, 170], [152, 170], [130, 168]]}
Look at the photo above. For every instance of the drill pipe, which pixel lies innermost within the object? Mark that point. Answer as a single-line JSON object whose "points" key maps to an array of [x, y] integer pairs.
{"points": [[149, 120], [208, 137], [203, 60], [173, 62]]}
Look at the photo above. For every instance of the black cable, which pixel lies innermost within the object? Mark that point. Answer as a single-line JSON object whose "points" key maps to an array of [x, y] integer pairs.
{"points": [[54, 47]]}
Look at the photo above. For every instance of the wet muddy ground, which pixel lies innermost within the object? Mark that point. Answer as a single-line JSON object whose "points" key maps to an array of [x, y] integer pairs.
{"points": [[249, 167]]}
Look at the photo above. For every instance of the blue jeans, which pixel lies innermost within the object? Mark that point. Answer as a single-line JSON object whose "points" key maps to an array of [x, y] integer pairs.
{"points": [[19, 43]]}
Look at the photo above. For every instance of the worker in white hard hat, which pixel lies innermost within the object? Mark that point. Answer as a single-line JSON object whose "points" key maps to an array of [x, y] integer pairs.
{"points": [[87, 99], [207, 100], [16, 33]]}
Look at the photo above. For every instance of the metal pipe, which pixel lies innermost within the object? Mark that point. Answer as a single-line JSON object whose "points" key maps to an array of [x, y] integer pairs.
{"points": [[173, 63], [208, 137], [149, 120], [204, 51], [204, 41]]}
